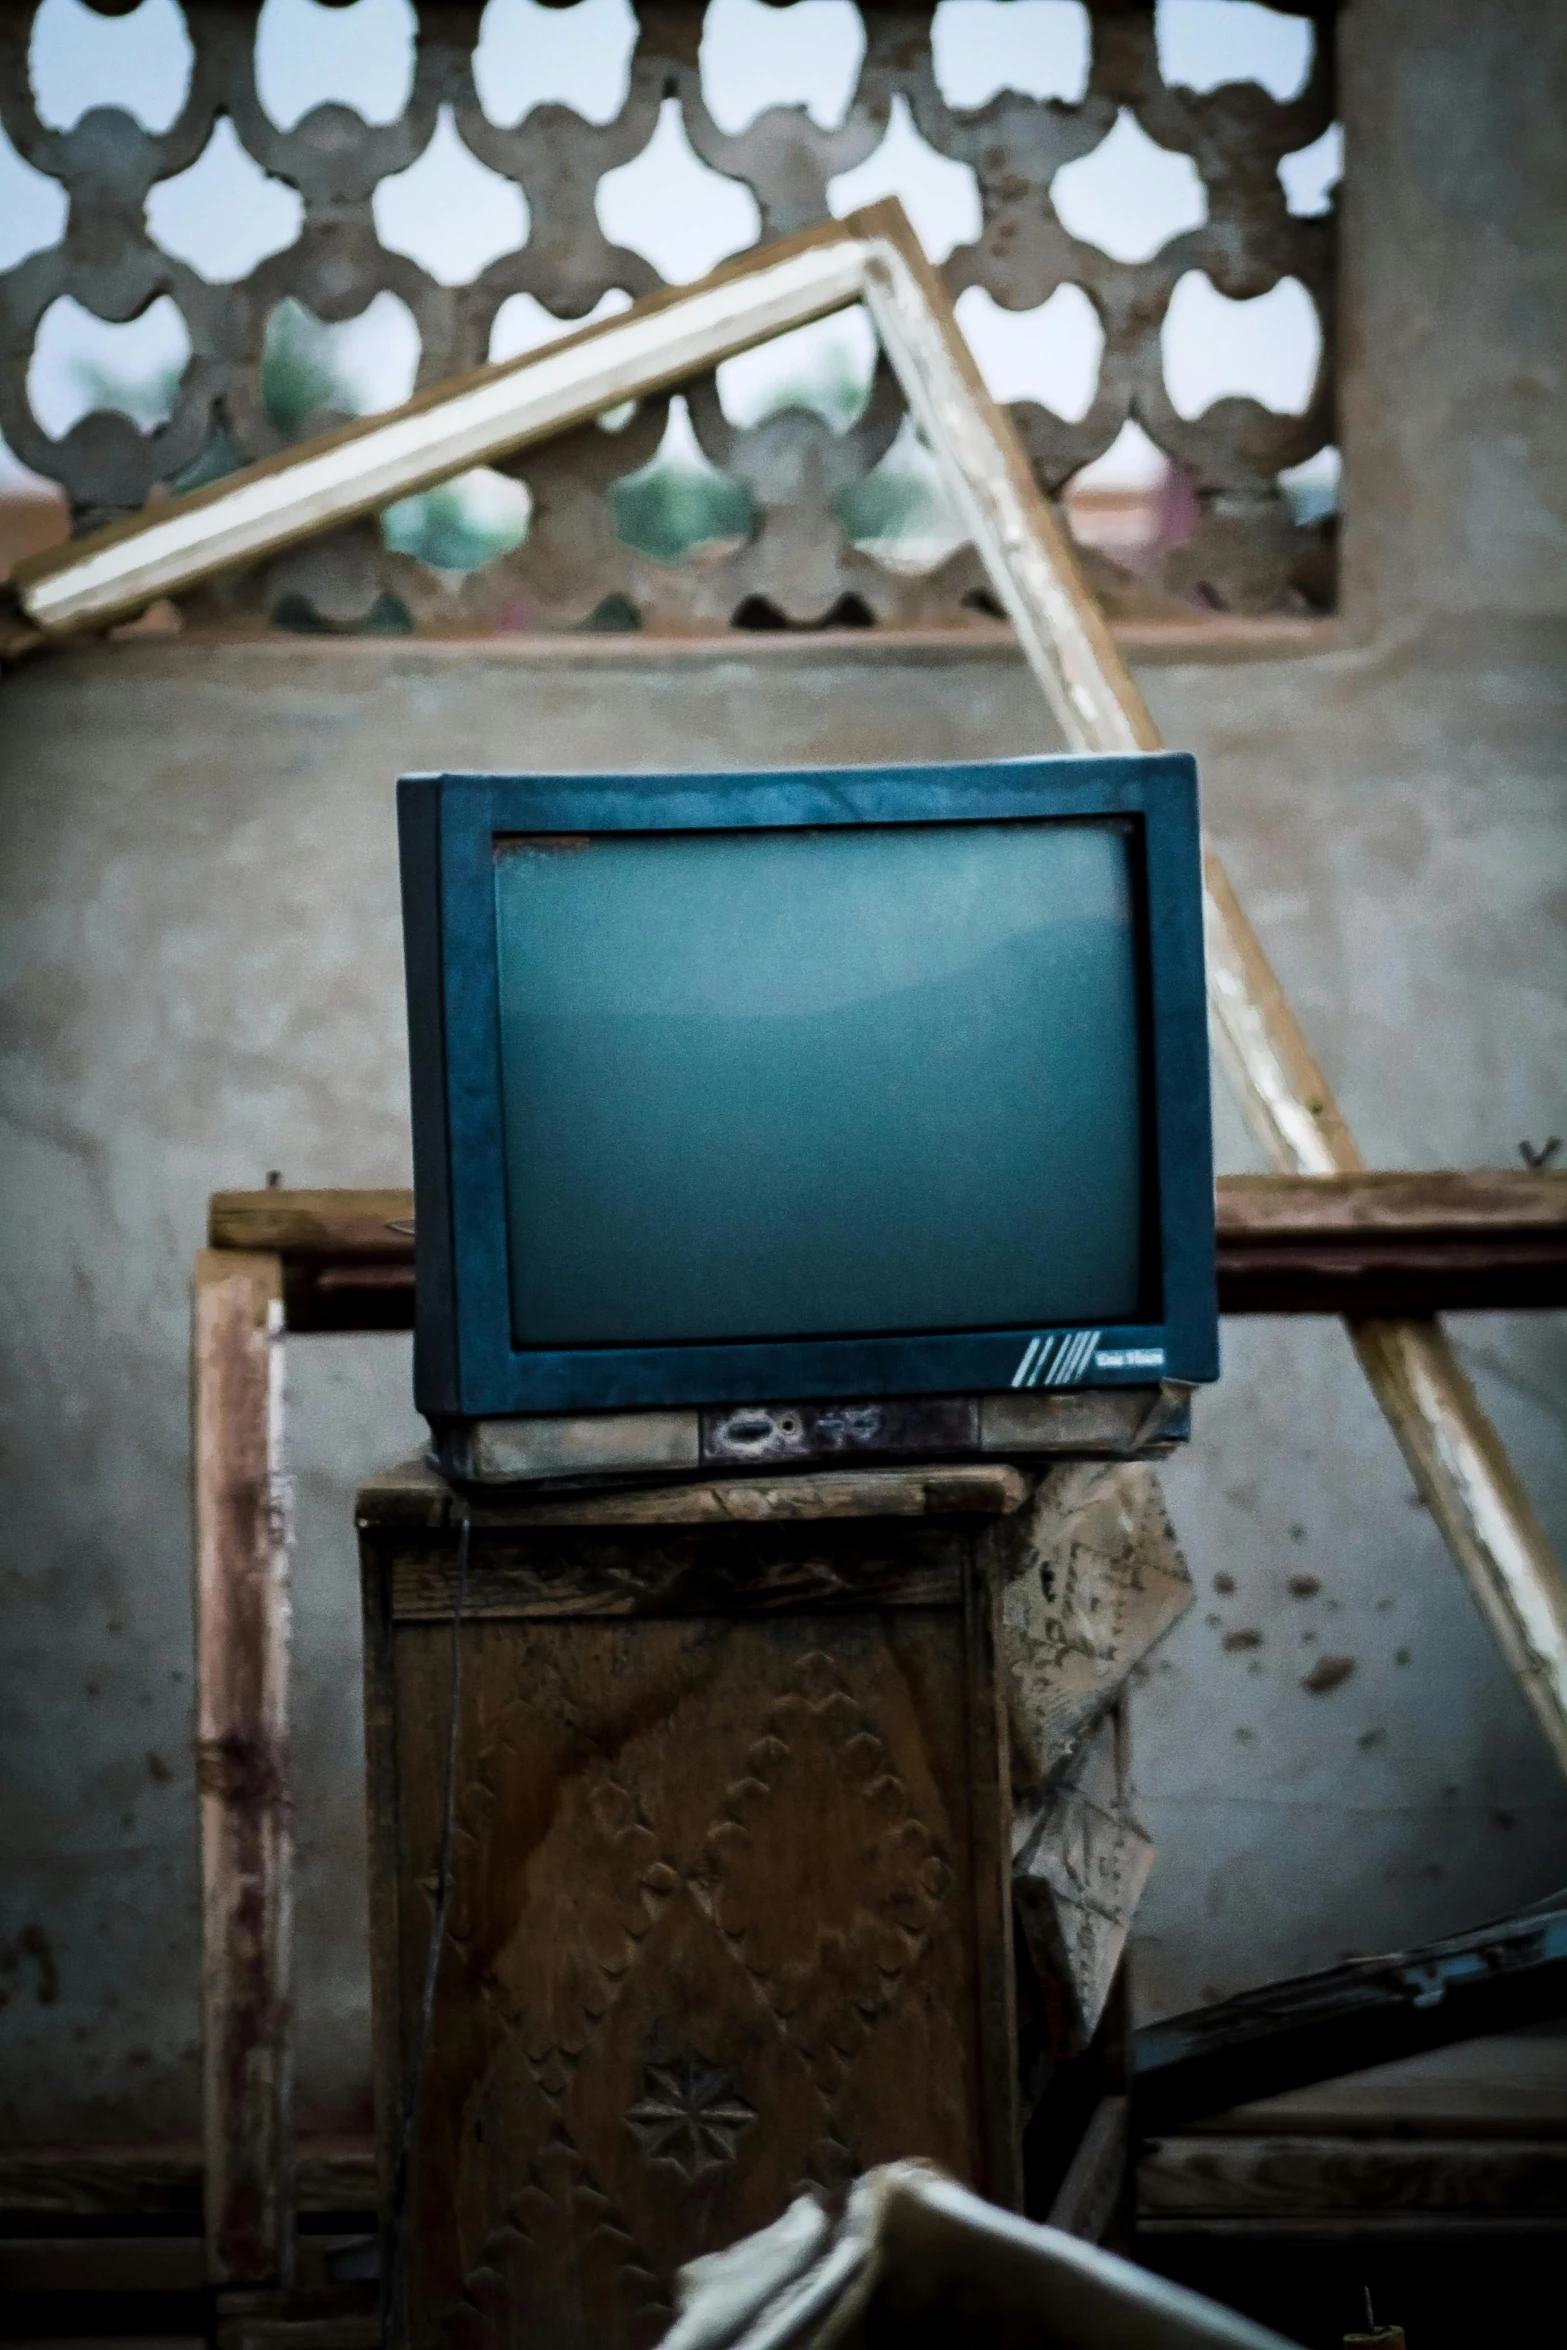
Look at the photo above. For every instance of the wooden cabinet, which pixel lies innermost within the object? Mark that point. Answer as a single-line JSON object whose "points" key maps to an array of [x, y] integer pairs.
{"points": [[729, 1908]]}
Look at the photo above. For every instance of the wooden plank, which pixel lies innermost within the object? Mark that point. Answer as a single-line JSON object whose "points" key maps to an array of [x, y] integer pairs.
{"points": [[242, 1655], [155, 2262], [1387, 1278], [1392, 1244], [391, 2029], [346, 2318], [494, 411], [1507, 2085], [102, 2264], [303, 1224], [101, 2182], [545, 1573], [164, 2181], [1361, 1244], [335, 2175], [990, 1831], [413, 1494], [1314, 2027], [1455, 1456], [1095, 2181], [1467, 1481], [1295, 2178], [1403, 1203]]}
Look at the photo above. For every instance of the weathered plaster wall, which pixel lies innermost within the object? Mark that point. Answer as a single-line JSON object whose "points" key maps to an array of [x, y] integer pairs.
{"points": [[1453, 344], [199, 975]]}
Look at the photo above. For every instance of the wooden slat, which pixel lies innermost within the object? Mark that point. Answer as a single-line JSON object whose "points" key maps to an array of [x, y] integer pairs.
{"points": [[1506, 2085], [1296, 2178], [314, 1224], [242, 1647], [994, 2015], [507, 405], [101, 2182], [1392, 1245], [121, 2265], [1455, 1456], [1362, 1245], [64, 2183], [1086, 2199], [1405, 1203]]}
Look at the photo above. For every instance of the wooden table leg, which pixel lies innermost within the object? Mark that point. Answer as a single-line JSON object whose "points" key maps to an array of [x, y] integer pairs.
{"points": [[242, 1656]]}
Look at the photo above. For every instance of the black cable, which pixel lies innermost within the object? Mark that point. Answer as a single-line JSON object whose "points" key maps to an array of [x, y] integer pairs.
{"points": [[392, 2263]]}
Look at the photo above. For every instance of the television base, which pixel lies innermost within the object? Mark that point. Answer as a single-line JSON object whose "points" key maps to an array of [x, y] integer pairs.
{"points": [[1111, 1423]]}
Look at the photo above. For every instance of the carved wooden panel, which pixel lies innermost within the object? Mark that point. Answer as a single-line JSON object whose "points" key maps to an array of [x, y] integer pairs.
{"points": [[729, 1917]]}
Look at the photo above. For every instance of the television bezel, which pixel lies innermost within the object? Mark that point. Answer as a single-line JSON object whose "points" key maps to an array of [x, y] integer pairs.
{"points": [[465, 1361]]}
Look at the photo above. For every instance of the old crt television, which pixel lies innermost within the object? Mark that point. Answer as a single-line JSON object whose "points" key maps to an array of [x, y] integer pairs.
{"points": [[784, 1096]]}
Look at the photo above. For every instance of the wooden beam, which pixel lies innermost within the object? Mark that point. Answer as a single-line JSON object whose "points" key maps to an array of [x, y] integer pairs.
{"points": [[332, 2176], [1095, 2182], [1265, 2179], [301, 1224], [348, 1261], [1355, 1245], [242, 1656], [1392, 1244], [1455, 1456], [1286, 2035], [1491, 1204], [661, 340]]}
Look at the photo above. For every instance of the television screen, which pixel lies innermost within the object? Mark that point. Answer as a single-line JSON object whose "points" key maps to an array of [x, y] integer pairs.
{"points": [[852, 1083], [784, 1083]]}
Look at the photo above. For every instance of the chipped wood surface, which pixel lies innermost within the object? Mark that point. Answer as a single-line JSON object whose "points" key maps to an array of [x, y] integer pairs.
{"points": [[242, 1645], [414, 1494]]}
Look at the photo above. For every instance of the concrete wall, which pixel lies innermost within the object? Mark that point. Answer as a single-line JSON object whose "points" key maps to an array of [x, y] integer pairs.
{"points": [[200, 953]]}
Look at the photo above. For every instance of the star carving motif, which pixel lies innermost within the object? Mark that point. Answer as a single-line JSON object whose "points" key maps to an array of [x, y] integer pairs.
{"points": [[690, 2113]]}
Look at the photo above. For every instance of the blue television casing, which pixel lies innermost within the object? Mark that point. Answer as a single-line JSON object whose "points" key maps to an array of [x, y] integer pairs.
{"points": [[466, 1364]]}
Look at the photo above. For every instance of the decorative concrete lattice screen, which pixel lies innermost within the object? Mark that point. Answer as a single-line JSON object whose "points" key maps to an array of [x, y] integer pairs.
{"points": [[792, 494]]}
